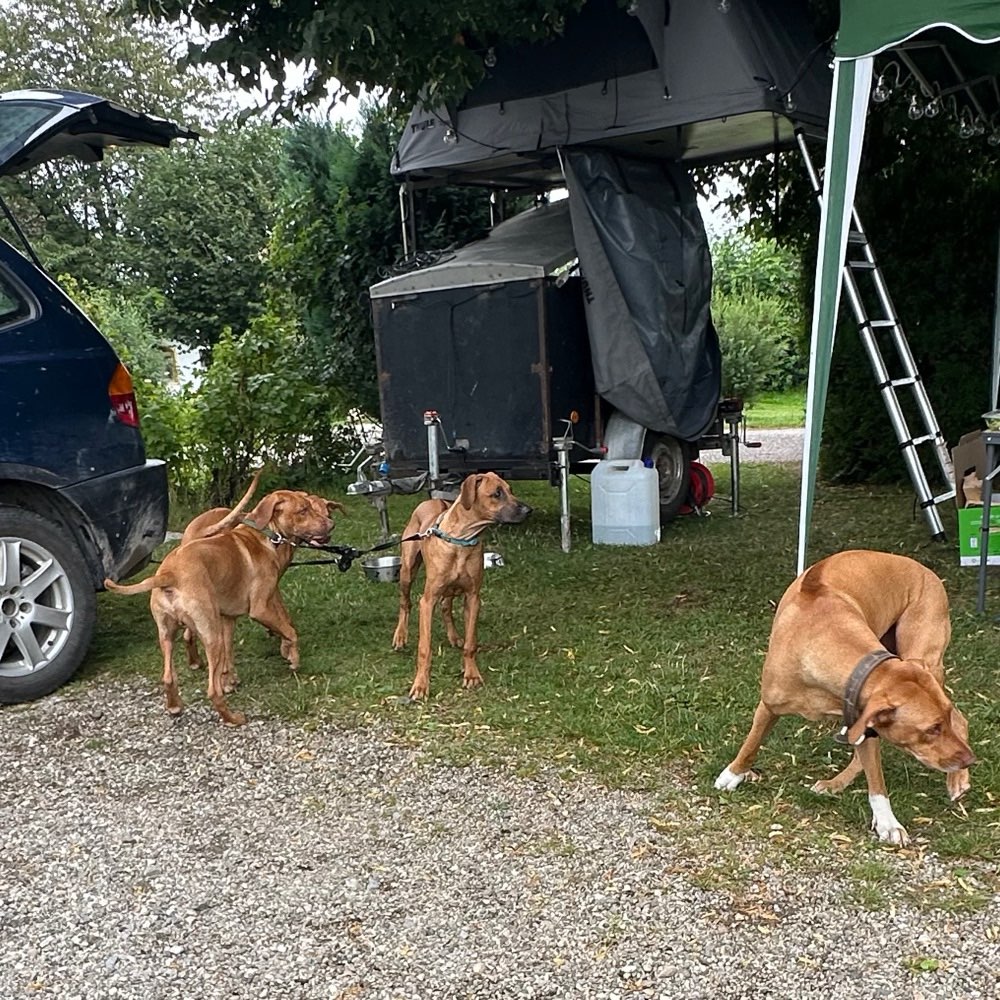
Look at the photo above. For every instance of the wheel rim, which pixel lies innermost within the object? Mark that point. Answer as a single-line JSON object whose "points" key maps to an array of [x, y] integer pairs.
{"points": [[36, 607], [671, 469]]}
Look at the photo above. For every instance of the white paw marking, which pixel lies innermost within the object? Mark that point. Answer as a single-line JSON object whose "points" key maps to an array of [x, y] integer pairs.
{"points": [[727, 781], [885, 824]]}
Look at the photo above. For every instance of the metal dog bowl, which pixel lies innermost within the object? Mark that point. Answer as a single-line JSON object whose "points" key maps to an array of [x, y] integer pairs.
{"points": [[492, 560], [382, 569]]}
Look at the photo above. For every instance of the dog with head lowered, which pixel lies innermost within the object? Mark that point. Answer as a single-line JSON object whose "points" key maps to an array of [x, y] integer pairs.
{"points": [[229, 565], [861, 636], [450, 549]]}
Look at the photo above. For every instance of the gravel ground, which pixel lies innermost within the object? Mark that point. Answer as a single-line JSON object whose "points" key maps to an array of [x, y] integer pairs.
{"points": [[783, 444], [146, 857]]}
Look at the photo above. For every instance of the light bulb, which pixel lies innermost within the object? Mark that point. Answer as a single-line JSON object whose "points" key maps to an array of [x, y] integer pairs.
{"points": [[915, 110], [933, 108], [881, 91], [450, 137], [490, 59]]}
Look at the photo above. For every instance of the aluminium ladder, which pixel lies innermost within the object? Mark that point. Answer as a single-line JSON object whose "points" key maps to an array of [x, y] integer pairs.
{"points": [[861, 263]]}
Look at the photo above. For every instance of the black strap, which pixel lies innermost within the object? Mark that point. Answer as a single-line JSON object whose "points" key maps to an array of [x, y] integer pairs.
{"points": [[855, 683]]}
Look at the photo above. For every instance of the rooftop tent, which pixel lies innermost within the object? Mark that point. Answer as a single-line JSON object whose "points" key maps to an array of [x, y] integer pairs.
{"points": [[951, 49], [697, 81]]}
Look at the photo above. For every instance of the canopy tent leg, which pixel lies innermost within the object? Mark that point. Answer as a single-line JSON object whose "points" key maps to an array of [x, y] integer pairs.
{"points": [[848, 106], [878, 323]]}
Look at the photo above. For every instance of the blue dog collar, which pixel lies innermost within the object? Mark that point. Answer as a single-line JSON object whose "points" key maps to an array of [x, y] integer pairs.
{"points": [[437, 532]]}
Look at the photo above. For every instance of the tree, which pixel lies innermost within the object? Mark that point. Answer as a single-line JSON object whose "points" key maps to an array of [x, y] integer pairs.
{"points": [[337, 233], [71, 210], [196, 230], [408, 49]]}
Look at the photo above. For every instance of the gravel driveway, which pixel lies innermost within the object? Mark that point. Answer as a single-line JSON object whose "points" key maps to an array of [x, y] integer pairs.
{"points": [[150, 858], [782, 444]]}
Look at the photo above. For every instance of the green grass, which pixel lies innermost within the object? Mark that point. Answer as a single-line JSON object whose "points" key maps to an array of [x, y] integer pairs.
{"points": [[778, 409], [638, 666]]}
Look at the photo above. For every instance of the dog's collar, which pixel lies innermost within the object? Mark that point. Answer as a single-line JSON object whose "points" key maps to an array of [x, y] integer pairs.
{"points": [[272, 536], [438, 533], [855, 683]]}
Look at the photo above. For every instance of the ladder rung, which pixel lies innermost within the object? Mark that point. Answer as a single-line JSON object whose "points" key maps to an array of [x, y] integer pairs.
{"points": [[882, 324], [941, 498], [913, 442], [862, 265], [906, 380], [858, 239]]}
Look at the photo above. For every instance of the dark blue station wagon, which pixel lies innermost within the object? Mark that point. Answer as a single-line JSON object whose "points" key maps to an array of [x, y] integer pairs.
{"points": [[79, 499]]}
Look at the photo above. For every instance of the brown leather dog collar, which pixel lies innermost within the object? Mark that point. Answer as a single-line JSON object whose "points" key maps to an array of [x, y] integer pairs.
{"points": [[855, 683]]}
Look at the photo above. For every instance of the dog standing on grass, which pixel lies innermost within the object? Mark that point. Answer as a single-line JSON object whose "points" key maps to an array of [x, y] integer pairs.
{"points": [[225, 569], [452, 555], [861, 635]]}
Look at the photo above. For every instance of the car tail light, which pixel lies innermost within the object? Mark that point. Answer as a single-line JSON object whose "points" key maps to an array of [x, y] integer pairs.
{"points": [[121, 394]]}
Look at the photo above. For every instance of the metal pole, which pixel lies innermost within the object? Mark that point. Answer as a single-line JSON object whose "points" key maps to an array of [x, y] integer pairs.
{"points": [[563, 446], [995, 369], [431, 421], [734, 420]]}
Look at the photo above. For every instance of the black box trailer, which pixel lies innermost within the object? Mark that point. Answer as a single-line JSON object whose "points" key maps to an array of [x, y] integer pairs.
{"points": [[493, 338]]}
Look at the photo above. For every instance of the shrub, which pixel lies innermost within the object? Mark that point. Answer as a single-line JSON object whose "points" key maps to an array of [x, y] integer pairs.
{"points": [[759, 348]]}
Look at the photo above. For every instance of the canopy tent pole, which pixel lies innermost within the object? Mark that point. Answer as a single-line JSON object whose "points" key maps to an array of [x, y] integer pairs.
{"points": [[848, 114], [995, 367]]}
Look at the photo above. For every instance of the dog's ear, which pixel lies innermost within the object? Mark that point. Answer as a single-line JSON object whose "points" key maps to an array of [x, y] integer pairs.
{"points": [[876, 715], [262, 514], [469, 487], [332, 505]]}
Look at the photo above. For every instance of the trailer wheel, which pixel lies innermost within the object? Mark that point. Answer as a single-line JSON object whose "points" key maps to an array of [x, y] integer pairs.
{"points": [[671, 458]]}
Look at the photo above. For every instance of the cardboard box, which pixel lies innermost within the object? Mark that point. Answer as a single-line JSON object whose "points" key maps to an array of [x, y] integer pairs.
{"points": [[969, 455]]}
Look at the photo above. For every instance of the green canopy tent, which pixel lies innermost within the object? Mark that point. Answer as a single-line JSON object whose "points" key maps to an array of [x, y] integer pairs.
{"points": [[960, 36]]}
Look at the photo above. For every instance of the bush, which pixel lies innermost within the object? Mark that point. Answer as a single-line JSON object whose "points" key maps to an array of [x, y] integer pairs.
{"points": [[759, 346], [126, 322], [256, 403]]}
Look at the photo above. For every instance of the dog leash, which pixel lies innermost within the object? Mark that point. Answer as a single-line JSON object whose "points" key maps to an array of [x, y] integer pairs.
{"points": [[346, 554], [855, 683]]}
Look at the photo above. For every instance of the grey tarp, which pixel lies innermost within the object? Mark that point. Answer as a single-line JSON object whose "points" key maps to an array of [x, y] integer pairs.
{"points": [[647, 276], [729, 80]]}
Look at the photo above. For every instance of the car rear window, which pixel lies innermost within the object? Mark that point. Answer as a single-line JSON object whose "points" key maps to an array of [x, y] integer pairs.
{"points": [[18, 121]]}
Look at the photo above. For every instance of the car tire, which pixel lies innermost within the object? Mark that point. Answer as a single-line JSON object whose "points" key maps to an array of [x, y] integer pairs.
{"points": [[47, 606], [671, 457]]}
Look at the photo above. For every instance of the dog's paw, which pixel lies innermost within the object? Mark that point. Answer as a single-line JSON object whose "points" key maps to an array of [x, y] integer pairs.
{"points": [[958, 784], [728, 782], [418, 692], [885, 824], [398, 642], [475, 681], [825, 787]]}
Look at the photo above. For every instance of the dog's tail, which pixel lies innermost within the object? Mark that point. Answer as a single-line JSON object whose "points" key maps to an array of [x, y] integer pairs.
{"points": [[235, 516], [156, 582]]}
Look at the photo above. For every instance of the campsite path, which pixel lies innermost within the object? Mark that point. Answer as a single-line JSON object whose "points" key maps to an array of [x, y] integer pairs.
{"points": [[783, 444], [152, 858]]}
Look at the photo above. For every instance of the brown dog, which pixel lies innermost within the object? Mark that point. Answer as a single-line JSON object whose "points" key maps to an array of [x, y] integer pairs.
{"points": [[452, 555], [830, 619], [225, 571]]}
